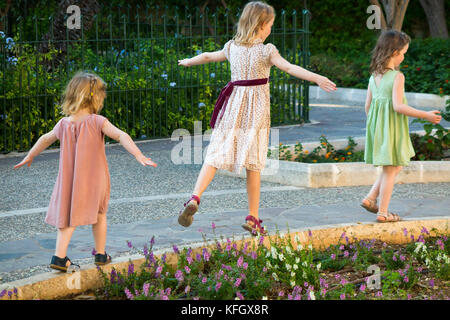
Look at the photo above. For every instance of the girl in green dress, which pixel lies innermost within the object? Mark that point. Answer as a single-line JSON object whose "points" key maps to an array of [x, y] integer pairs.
{"points": [[387, 132]]}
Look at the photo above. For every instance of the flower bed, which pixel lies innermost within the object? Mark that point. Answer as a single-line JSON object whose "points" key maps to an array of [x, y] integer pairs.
{"points": [[289, 270]]}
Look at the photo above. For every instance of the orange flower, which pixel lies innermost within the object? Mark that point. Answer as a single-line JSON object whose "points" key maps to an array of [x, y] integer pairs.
{"points": [[349, 153], [306, 151], [314, 161], [446, 81], [324, 144], [441, 91], [336, 159], [343, 158], [405, 66], [327, 155]]}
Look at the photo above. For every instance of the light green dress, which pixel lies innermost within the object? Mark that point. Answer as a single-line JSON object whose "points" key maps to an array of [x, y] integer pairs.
{"points": [[387, 132]]}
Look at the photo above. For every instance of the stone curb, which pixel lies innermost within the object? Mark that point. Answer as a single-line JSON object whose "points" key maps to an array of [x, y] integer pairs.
{"points": [[55, 285], [322, 175], [359, 96]]}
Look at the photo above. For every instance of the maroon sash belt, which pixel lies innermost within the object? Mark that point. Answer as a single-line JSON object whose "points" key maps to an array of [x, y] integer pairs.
{"points": [[225, 93]]}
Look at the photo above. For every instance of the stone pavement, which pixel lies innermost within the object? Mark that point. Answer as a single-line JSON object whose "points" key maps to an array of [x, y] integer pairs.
{"points": [[145, 201], [38, 249]]}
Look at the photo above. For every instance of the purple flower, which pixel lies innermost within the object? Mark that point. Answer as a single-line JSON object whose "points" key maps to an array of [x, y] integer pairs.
{"points": [[2, 293], [341, 247], [346, 254], [206, 254], [343, 235], [362, 287], [344, 282], [337, 276], [159, 269], [228, 248], [94, 252], [130, 245], [405, 232], [130, 269], [402, 258], [394, 257], [253, 255], [198, 257], [245, 265], [409, 296], [333, 256], [261, 240], [175, 249], [405, 279], [189, 260], [240, 261], [219, 247], [239, 295], [179, 275], [204, 280], [152, 241], [432, 283], [218, 285], [440, 244], [187, 269], [342, 296], [163, 258], [412, 237], [309, 233], [145, 251], [264, 269], [145, 288], [237, 282], [129, 294], [379, 294], [281, 294], [187, 289], [213, 225], [424, 230], [355, 256], [151, 257]]}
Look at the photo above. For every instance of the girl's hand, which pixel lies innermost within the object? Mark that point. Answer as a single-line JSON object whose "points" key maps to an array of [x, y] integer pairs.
{"points": [[26, 161], [145, 161], [434, 116], [184, 63], [326, 84]]}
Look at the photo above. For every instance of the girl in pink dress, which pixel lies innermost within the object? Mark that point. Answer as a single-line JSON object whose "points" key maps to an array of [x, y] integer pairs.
{"points": [[82, 188], [241, 117]]}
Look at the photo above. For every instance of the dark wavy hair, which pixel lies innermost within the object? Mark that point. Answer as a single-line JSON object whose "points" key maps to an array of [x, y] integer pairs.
{"points": [[388, 42]]}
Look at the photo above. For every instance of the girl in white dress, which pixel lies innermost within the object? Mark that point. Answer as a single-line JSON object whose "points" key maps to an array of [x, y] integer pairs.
{"points": [[241, 118]]}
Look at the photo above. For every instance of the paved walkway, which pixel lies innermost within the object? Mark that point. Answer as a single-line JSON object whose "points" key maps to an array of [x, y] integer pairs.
{"points": [[145, 201]]}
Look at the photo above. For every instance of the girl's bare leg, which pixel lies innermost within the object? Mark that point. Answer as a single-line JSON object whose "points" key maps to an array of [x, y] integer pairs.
{"points": [[62, 242], [99, 232], [374, 191], [205, 177], [387, 186], [253, 191]]}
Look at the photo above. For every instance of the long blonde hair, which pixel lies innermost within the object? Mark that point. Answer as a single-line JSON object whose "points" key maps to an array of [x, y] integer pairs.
{"points": [[84, 90], [253, 17], [388, 42]]}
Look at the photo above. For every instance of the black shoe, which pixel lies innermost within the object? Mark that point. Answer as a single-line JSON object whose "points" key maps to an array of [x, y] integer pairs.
{"points": [[102, 259], [61, 264]]}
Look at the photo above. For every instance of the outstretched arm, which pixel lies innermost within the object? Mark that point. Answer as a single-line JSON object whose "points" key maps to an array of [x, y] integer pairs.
{"points": [[43, 143], [368, 100], [397, 101], [203, 58], [125, 140], [299, 72]]}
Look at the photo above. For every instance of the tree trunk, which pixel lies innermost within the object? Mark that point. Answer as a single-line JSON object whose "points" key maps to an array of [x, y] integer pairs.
{"points": [[435, 12], [4, 13], [56, 36], [394, 13]]}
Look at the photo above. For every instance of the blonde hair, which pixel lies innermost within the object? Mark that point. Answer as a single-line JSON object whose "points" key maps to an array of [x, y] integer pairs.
{"points": [[253, 17], [84, 90], [388, 42]]}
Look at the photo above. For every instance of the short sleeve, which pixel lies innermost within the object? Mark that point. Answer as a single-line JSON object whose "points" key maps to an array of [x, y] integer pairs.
{"points": [[57, 129], [269, 49], [226, 49], [99, 121]]}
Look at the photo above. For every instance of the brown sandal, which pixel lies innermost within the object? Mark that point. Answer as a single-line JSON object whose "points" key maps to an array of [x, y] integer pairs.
{"points": [[187, 214], [372, 207], [388, 217]]}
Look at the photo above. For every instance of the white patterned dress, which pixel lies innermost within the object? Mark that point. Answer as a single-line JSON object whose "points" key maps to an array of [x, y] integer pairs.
{"points": [[241, 138]]}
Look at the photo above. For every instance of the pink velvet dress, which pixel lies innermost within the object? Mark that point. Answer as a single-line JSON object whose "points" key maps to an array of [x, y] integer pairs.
{"points": [[82, 187]]}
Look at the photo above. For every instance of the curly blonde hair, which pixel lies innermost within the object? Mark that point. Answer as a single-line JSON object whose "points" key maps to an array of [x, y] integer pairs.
{"points": [[254, 15], [387, 44], [84, 90]]}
